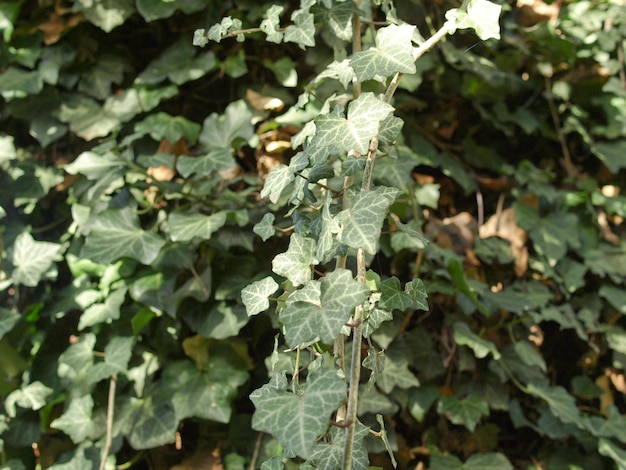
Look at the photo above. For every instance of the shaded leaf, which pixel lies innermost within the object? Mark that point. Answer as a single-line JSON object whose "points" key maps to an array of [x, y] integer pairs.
{"points": [[220, 131], [185, 227], [106, 14], [466, 412], [481, 347], [171, 128]]}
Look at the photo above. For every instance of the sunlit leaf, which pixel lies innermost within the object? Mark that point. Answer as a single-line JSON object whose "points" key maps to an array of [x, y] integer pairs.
{"points": [[106, 14], [271, 23], [32, 259], [76, 421], [302, 32], [278, 179], [297, 419], [393, 53], [295, 263], [185, 227], [32, 397], [481, 15], [255, 296], [104, 312], [221, 131]]}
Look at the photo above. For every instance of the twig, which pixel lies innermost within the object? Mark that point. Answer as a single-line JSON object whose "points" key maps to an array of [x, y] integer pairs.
{"points": [[567, 158], [109, 427], [257, 450]]}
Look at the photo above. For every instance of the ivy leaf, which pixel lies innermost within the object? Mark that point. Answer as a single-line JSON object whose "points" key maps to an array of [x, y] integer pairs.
{"points": [[480, 15], [615, 452], [338, 18], [265, 227], [151, 10], [171, 128], [612, 154], [561, 403], [17, 83], [223, 28], [94, 165], [302, 32], [8, 319], [529, 355], [7, 148], [223, 321], [297, 419], [417, 291], [554, 234], [393, 53], [396, 373], [203, 394], [271, 23], [481, 347], [32, 397], [221, 131], [392, 295], [32, 259], [466, 412], [360, 225], [116, 234], [330, 454], [149, 422], [76, 421], [204, 165], [106, 14], [116, 356], [254, 296], [482, 461], [341, 134], [295, 263], [185, 227], [103, 312], [277, 180], [304, 322]]}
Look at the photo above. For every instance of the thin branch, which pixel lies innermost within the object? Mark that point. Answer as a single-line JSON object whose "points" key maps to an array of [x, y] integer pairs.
{"points": [[109, 424], [570, 169], [257, 450]]}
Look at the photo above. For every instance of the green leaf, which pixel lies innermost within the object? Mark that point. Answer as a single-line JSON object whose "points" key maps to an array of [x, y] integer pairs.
{"points": [[297, 419], [265, 227], [338, 18], [223, 132], [17, 83], [480, 15], [153, 10], [271, 23], [8, 319], [529, 355], [302, 32], [392, 295], [32, 259], [417, 292], [117, 354], [106, 14], [295, 263], [149, 422], [396, 373], [32, 397], [223, 321], [203, 394], [95, 165], [554, 234], [361, 224], [612, 154], [616, 296], [339, 134], [611, 450], [255, 296], [76, 421], [481, 347], [9, 12], [482, 461], [171, 128], [185, 227], [305, 322], [421, 399], [219, 30], [330, 454], [179, 63], [7, 149], [105, 312], [561, 403], [277, 180], [116, 234], [393, 53], [466, 412], [204, 165]]}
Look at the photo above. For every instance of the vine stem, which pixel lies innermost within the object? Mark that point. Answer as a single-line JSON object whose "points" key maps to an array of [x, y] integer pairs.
{"points": [[109, 424], [359, 311]]}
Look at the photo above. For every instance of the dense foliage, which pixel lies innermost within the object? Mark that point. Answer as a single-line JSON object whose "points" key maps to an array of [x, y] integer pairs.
{"points": [[203, 203]]}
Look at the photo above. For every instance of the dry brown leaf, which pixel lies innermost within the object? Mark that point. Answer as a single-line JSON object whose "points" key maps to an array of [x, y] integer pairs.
{"points": [[531, 12], [504, 225], [57, 23], [263, 103], [618, 380], [454, 233], [606, 399]]}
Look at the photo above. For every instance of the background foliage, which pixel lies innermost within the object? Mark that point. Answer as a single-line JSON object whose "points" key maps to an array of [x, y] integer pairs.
{"points": [[137, 202]]}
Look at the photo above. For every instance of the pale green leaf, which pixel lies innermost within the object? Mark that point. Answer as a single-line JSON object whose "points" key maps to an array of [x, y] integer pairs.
{"points": [[255, 296], [393, 53], [481, 15], [554, 234], [304, 322], [302, 32], [226, 26], [224, 321], [396, 373], [616, 296], [8, 319], [271, 23], [265, 227], [151, 10], [17, 83], [329, 454], [361, 224], [297, 420], [204, 165], [116, 234], [32, 397], [466, 412], [106, 14], [295, 263], [338, 18], [7, 149], [338, 134], [117, 354], [185, 227], [94, 165], [613, 451], [275, 183], [103, 312], [203, 394], [171, 128], [466, 337], [76, 421], [32, 259]]}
